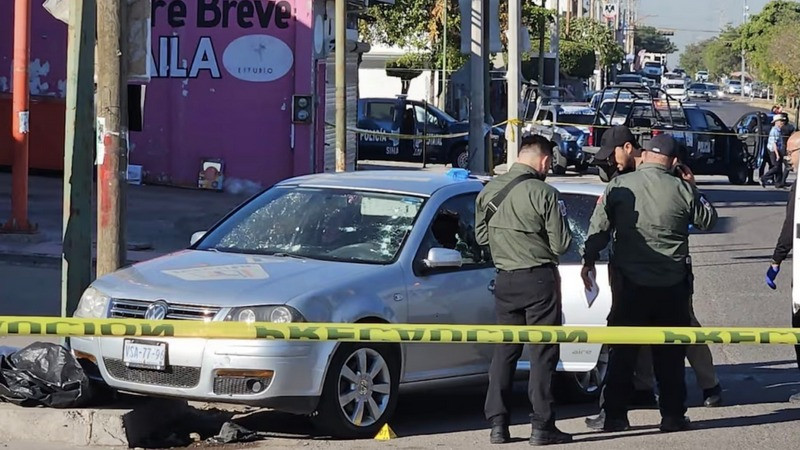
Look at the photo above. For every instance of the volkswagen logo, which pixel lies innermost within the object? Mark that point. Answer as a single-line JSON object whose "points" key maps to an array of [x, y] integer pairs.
{"points": [[157, 310]]}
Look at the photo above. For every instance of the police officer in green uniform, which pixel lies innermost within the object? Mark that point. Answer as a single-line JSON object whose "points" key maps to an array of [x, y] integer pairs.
{"points": [[648, 213], [523, 221]]}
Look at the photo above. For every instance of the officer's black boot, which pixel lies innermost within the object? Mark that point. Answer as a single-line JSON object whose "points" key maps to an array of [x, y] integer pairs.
{"points": [[499, 433], [712, 397], [549, 436], [670, 424], [603, 423]]}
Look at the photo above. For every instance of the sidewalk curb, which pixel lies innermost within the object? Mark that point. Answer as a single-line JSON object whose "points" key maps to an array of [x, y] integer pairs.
{"points": [[130, 427]]}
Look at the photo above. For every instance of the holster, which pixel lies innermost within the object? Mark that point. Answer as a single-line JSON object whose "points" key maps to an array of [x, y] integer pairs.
{"points": [[689, 275]]}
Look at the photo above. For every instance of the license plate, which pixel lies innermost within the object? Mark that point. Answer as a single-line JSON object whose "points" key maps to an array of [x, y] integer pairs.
{"points": [[144, 355]]}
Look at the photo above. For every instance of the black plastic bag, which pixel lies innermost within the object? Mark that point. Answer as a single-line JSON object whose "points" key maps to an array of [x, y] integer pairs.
{"points": [[232, 433], [43, 374]]}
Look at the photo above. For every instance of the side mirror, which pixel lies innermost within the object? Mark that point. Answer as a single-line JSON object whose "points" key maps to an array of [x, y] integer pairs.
{"points": [[196, 237], [439, 258]]}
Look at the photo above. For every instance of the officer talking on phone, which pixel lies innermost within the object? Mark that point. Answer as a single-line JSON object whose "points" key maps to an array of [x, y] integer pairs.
{"points": [[648, 213]]}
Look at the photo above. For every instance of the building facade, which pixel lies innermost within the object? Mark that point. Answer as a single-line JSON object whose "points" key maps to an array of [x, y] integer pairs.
{"points": [[223, 80]]}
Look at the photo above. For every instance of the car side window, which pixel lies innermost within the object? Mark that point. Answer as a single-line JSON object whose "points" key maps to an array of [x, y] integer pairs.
{"points": [[380, 111], [714, 123], [580, 208], [454, 228]]}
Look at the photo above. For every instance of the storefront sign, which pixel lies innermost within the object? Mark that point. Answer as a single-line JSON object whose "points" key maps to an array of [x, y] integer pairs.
{"points": [[255, 57]]}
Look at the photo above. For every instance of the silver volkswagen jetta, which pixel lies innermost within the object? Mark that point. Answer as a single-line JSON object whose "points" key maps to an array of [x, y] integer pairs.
{"points": [[375, 247]]}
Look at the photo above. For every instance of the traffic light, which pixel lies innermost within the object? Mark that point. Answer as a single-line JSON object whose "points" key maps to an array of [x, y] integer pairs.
{"points": [[301, 109]]}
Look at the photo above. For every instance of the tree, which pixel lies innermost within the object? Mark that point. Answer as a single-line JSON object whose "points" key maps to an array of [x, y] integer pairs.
{"points": [[784, 59], [407, 67], [760, 32], [649, 39], [692, 59], [723, 55], [577, 59], [597, 36]]}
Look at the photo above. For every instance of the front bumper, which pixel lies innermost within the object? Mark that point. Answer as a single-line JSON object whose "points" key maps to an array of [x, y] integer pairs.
{"points": [[220, 370]]}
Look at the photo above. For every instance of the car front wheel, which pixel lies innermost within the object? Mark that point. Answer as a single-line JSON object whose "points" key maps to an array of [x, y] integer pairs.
{"points": [[459, 158], [360, 391], [584, 387]]}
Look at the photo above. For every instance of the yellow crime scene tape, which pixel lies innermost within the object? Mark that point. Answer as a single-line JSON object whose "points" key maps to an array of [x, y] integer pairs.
{"points": [[424, 137], [399, 333]]}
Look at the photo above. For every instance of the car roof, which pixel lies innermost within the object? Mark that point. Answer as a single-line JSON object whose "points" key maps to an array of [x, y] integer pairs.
{"points": [[413, 182], [401, 181]]}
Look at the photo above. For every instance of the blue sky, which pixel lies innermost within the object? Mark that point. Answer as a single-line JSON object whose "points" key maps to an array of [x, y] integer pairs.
{"points": [[693, 20]]}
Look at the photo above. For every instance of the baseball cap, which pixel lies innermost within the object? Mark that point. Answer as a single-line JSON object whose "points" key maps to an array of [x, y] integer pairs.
{"points": [[663, 144], [614, 137]]}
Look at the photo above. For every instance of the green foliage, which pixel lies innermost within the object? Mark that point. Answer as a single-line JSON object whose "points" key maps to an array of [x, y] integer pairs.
{"points": [[596, 36], [761, 31], [650, 40], [693, 57], [577, 59], [408, 67]]}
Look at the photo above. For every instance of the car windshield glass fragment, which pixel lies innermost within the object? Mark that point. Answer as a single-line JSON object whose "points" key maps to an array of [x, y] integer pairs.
{"points": [[319, 223]]}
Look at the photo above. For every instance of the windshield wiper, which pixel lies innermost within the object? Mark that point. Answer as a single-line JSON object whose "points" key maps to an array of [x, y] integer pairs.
{"points": [[286, 255]]}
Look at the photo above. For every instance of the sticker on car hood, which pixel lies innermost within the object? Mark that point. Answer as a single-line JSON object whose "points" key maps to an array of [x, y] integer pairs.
{"points": [[216, 273]]}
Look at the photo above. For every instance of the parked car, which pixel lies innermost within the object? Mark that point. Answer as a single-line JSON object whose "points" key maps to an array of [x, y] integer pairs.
{"points": [[699, 90], [411, 117], [712, 148], [567, 126], [599, 97], [358, 247], [734, 87], [701, 76]]}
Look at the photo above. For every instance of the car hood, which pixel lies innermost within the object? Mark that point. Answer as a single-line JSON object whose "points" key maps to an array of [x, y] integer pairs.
{"points": [[209, 278]]}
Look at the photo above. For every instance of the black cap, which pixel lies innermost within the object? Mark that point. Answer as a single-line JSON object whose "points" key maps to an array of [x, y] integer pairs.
{"points": [[614, 137], [663, 144]]}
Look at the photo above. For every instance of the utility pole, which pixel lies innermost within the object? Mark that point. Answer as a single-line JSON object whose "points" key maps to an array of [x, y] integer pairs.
{"points": [[76, 262], [745, 14], [488, 120], [478, 52], [112, 117], [20, 121], [513, 130], [340, 45], [557, 40], [541, 51], [443, 105]]}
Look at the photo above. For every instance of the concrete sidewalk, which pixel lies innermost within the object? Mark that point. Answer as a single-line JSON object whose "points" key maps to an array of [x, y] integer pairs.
{"points": [[159, 219]]}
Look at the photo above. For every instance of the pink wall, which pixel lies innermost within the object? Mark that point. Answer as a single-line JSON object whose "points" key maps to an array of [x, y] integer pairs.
{"points": [[223, 80], [48, 57]]}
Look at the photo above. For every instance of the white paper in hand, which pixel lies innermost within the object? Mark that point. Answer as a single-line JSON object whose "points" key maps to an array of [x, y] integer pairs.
{"points": [[591, 294]]}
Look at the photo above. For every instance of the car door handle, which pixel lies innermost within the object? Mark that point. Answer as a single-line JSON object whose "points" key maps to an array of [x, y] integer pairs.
{"points": [[491, 286]]}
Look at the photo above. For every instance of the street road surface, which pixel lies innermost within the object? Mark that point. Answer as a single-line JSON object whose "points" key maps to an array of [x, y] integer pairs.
{"points": [[729, 267]]}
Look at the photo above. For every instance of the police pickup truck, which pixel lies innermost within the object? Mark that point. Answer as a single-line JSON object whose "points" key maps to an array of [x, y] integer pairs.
{"points": [[412, 117]]}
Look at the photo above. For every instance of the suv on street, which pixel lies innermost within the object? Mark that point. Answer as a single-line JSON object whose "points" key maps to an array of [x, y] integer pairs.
{"points": [[645, 114], [412, 117], [713, 148], [567, 126], [701, 76], [701, 91]]}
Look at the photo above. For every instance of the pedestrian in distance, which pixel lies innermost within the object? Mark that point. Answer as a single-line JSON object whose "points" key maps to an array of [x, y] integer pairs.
{"points": [[523, 222], [648, 213], [777, 151], [786, 240]]}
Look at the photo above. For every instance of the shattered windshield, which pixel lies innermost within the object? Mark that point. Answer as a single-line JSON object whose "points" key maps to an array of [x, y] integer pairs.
{"points": [[319, 223]]}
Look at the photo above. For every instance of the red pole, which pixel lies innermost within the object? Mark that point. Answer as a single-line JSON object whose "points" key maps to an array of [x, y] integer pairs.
{"points": [[20, 119]]}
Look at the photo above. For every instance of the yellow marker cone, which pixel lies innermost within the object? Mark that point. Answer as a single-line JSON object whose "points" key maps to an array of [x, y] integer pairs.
{"points": [[385, 434]]}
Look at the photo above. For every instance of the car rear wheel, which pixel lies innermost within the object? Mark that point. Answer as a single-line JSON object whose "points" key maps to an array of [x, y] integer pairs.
{"points": [[739, 174], [360, 391], [583, 387], [459, 157]]}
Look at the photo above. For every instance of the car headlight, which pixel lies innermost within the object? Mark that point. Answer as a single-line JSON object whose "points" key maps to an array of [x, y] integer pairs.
{"points": [[93, 304], [274, 314]]}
